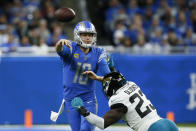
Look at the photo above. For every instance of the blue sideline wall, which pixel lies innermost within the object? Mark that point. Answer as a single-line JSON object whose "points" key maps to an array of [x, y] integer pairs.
{"points": [[35, 83]]}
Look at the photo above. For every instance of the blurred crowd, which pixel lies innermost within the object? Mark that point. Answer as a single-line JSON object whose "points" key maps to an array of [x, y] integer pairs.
{"points": [[143, 25], [29, 23], [151, 24]]}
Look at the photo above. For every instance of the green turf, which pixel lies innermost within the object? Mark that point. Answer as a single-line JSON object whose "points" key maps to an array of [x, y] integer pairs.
{"points": [[187, 124], [179, 124]]}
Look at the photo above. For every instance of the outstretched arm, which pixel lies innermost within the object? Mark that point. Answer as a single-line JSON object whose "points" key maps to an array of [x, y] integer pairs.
{"points": [[110, 117]]}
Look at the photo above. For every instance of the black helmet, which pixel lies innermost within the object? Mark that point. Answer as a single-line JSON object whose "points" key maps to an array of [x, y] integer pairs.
{"points": [[112, 82]]}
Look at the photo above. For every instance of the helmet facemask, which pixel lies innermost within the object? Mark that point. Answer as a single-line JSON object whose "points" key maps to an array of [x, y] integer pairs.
{"points": [[85, 27], [112, 82]]}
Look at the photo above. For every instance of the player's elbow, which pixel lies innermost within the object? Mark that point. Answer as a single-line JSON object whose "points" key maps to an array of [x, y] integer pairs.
{"points": [[104, 125], [102, 128], [107, 123]]}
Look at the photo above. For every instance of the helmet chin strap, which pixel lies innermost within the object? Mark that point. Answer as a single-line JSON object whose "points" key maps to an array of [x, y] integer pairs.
{"points": [[84, 45]]}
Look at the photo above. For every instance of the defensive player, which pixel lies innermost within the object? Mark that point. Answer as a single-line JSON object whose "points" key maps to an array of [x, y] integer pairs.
{"points": [[78, 56], [126, 101]]}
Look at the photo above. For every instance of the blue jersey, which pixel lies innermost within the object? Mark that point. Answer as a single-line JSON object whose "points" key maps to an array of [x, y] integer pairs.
{"points": [[74, 63]]}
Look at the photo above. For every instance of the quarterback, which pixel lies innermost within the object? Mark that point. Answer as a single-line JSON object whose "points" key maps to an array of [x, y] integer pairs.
{"points": [[78, 56]]}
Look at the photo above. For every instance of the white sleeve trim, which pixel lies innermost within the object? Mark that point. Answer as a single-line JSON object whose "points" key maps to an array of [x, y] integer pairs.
{"points": [[71, 49], [95, 120], [103, 55]]}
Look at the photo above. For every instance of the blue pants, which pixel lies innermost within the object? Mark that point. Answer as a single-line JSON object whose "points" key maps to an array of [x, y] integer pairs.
{"points": [[163, 125], [78, 122]]}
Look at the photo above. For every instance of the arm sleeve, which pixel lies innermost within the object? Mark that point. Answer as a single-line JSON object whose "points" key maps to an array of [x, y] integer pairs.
{"points": [[103, 64], [66, 51], [110, 62], [95, 120], [110, 117], [103, 67]]}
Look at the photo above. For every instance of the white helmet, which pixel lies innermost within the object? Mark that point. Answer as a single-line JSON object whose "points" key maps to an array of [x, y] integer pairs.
{"points": [[85, 27]]}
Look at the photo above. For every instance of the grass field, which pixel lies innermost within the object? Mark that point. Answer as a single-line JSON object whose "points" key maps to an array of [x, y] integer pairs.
{"points": [[182, 127]]}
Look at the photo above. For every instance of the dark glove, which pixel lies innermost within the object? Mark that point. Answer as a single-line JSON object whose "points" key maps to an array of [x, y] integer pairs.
{"points": [[83, 111]]}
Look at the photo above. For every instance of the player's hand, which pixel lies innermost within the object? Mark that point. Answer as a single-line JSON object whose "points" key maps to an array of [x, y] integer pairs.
{"points": [[77, 103], [60, 44], [64, 42], [92, 75], [83, 111]]}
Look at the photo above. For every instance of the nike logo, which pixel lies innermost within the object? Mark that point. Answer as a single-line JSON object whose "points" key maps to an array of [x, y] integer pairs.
{"points": [[89, 102]]}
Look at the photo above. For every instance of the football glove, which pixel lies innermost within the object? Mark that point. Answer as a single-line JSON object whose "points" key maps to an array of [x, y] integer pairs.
{"points": [[77, 103], [110, 62]]}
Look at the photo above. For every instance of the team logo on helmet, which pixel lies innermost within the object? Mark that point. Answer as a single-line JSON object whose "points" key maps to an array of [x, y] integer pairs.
{"points": [[85, 27]]}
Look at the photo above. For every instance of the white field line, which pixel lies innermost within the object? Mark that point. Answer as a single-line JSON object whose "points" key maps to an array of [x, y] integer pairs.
{"points": [[67, 127]]}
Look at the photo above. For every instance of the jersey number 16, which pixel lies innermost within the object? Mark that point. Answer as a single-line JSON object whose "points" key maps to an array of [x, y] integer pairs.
{"points": [[78, 77]]}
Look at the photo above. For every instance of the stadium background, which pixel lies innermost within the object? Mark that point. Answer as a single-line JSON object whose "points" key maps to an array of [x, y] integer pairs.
{"points": [[30, 70]]}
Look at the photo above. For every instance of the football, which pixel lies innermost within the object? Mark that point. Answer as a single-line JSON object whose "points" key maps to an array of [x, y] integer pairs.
{"points": [[64, 14]]}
